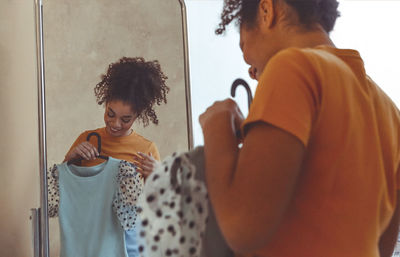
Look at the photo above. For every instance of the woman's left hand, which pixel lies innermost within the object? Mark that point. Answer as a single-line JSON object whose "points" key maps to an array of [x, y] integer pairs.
{"points": [[221, 119], [145, 163]]}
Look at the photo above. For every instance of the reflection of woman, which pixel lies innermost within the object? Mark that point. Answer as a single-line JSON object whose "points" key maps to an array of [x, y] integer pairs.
{"points": [[318, 170], [130, 89]]}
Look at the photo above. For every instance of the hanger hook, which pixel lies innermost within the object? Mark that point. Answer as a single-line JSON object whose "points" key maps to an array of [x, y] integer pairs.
{"points": [[98, 140], [238, 82]]}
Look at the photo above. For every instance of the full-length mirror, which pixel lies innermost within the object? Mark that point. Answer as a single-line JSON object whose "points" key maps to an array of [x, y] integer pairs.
{"points": [[81, 40]]}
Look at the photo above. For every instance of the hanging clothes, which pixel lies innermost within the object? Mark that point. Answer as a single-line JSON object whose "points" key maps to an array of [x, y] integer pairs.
{"points": [[175, 213], [94, 205]]}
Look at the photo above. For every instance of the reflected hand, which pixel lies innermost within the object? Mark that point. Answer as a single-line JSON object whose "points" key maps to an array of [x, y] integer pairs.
{"points": [[145, 163], [84, 150]]}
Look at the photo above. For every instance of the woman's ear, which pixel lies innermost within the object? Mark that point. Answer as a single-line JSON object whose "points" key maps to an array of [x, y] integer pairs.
{"points": [[267, 13]]}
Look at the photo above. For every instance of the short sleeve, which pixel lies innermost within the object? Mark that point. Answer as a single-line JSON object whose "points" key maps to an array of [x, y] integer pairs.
{"points": [[130, 186], [154, 151], [53, 191], [287, 95]]}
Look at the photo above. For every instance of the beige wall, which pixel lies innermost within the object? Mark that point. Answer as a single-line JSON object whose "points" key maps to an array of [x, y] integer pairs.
{"points": [[81, 39], [19, 182]]}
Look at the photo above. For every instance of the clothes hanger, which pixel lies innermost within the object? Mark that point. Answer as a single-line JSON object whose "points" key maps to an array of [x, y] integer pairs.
{"points": [[242, 82], [235, 84], [98, 144], [98, 148]]}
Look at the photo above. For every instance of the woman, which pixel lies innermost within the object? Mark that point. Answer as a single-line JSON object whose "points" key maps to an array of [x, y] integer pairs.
{"points": [[317, 174], [130, 89]]}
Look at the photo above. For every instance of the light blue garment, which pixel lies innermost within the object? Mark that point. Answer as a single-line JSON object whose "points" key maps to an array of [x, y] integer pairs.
{"points": [[88, 225], [132, 240]]}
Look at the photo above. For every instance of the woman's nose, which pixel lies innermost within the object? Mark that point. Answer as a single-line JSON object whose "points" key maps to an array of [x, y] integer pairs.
{"points": [[116, 123]]}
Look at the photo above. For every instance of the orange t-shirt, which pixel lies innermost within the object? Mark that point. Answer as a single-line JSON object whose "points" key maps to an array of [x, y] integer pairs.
{"points": [[346, 190], [123, 148]]}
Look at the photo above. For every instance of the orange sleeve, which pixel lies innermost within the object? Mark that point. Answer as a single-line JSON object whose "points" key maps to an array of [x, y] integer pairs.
{"points": [[154, 151], [286, 95]]}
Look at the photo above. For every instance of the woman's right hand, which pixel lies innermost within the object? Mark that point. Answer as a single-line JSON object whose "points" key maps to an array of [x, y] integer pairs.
{"points": [[84, 150]]}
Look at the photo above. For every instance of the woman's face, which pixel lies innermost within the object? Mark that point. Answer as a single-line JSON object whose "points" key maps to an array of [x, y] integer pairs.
{"points": [[119, 117], [263, 39], [258, 46], [251, 51]]}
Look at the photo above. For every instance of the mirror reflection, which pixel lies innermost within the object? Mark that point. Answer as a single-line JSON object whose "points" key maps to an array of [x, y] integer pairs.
{"points": [[111, 70]]}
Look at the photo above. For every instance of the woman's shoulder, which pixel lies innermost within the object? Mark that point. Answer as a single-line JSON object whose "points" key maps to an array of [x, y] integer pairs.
{"points": [[141, 138], [298, 60], [146, 144], [304, 54], [292, 54]]}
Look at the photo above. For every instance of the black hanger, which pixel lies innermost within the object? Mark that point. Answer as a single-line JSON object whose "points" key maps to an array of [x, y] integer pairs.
{"points": [[235, 84], [98, 144], [239, 82], [98, 148]]}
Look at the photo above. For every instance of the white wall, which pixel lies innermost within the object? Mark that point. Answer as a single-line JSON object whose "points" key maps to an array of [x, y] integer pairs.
{"points": [[19, 179], [371, 27], [215, 61]]}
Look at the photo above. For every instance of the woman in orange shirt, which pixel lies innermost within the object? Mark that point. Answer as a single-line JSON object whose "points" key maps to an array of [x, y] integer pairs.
{"points": [[318, 173], [130, 89]]}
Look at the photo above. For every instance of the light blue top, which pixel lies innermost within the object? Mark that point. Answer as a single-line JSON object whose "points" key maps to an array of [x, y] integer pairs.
{"points": [[88, 225]]}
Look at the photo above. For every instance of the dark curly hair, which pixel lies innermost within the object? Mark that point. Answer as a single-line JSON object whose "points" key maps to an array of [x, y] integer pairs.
{"points": [[309, 12], [136, 82]]}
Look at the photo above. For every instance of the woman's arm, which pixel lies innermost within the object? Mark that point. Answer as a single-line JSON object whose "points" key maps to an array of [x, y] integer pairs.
{"points": [[249, 188]]}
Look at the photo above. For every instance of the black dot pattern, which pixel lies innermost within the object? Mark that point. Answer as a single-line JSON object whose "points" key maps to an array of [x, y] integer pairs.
{"points": [[131, 185], [53, 191], [176, 207]]}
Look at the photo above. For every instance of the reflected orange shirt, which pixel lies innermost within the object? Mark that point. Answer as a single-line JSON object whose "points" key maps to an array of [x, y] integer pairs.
{"points": [[123, 148], [346, 191]]}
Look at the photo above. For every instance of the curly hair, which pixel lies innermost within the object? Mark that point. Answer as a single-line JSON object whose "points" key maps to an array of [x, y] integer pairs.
{"points": [[136, 82], [309, 12]]}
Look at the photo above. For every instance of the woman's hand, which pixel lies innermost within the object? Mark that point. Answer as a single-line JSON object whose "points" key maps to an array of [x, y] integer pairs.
{"points": [[145, 163], [253, 73], [221, 119], [84, 150]]}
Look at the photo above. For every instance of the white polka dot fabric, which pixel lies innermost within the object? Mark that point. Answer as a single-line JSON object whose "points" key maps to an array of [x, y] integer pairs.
{"points": [[131, 184], [173, 210]]}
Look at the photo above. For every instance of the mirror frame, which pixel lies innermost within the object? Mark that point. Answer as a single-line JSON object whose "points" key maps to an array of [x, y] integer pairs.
{"points": [[40, 219]]}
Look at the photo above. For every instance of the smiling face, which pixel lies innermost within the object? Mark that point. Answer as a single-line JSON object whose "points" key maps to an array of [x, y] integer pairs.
{"points": [[118, 118]]}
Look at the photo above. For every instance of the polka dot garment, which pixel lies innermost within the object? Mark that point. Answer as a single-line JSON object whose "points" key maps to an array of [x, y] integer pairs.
{"points": [[173, 209], [124, 203], [130, 187]]}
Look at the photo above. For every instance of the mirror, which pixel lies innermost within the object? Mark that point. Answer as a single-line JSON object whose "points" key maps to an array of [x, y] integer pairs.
{"points": [[81, 38]]}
